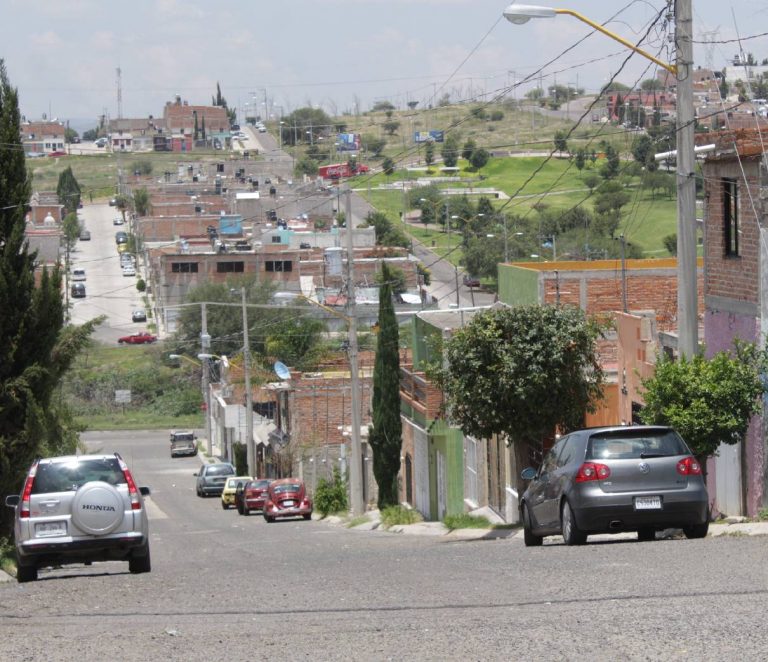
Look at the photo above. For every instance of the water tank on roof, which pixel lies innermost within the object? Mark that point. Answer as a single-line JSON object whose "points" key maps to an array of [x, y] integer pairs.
{"points": [[333, 261]]}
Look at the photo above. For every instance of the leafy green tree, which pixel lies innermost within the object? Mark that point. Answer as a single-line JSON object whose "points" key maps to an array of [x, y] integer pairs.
{"points": [[388, 166], [482, 256], [429, 153], [395, 277], [591, 181], [374, 144], [469, 146], [141, 201], [670, 243], [479, 158], [382, 106], [497, 115], [561, 141], [642, 146], [143, 167], [386, 233], [610, 168], [36, 349], [70, 135], [71, 229], [708, 401], [304, 124], [196, 134], [522, 373], [384, 435], [391, 127], [450, 151], [123, 203], [296, 342], [68, 190], [651, 84], [91, 134], [580, 159], [306, 167]]}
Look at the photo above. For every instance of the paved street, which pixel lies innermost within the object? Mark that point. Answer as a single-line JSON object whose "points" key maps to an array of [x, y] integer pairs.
{"points": [[226, 587]]}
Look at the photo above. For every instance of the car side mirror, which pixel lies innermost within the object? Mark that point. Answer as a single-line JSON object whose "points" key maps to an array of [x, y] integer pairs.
{"points": [[12, 500], [529, 473], [195, 474], [144, 491]]}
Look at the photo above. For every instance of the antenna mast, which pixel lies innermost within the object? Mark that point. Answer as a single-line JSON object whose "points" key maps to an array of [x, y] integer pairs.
{"points": [[119, 94]]}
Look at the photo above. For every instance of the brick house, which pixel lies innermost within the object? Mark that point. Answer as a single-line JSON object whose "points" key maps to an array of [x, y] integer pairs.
{"points": [[42, 137], [736, 296]]}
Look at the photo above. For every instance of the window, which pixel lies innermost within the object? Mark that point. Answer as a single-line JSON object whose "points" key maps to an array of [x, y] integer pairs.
{"points": [[278, 265], [229, 267], [276, 239], [184, 268], [731, 217]]}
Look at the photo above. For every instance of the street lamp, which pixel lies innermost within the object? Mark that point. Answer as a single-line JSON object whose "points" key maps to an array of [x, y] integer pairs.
{"points": [[687, 301]]}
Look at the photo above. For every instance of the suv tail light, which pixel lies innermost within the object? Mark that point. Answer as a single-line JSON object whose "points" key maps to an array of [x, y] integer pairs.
{"points": [[132, 491], [592, 471], [27, 491], [689, 466]]}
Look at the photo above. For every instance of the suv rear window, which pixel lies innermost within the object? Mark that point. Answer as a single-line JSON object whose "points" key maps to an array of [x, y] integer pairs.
{"points": [[182, 436], [70, 476], [629, 445], [219, 470]]}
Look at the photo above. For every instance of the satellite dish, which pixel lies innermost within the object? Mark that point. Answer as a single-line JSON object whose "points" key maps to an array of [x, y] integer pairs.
{"points": [[281, 370]]}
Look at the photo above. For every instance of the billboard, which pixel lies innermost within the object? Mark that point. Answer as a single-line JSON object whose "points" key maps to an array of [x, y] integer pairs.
{"points": [[348, 142], [427, 136]]}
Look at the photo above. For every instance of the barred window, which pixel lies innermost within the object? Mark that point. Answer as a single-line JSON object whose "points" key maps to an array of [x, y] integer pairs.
{"points": [[731, 217], [184, 268], [229, 267], [278, 265]]}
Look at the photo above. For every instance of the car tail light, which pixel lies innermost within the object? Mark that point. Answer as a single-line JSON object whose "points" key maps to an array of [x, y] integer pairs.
{"points": [[132, 491], [305, 503], [689, 466], [27, 491], [592, 471]]}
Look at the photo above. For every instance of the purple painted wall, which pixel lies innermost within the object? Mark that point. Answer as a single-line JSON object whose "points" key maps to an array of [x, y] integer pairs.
{"points": [[720, 329]]}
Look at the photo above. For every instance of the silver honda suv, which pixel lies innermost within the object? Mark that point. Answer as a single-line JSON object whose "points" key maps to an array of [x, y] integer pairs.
{"points": [[79, 509]]}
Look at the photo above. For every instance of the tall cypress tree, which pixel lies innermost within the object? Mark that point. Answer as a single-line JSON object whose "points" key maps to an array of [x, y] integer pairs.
{"points": [[385, 433], [68, 190], [34, 350]]}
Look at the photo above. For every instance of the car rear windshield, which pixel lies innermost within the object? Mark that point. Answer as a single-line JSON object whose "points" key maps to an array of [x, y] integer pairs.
{"points": [[289, 487], [220, 470], [629, 445], [187, 436], [70, 476], [259, 484]]}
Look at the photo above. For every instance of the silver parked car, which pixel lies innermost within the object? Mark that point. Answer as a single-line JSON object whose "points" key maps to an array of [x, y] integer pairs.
{"points": [[212, 477], [79, 509], [183, 442], [611, 479]]}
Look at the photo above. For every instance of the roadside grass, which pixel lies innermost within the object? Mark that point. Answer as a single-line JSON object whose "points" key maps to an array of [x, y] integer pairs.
{"points": [[357, 521], [394, 515], [7, 556], [466, 521]]}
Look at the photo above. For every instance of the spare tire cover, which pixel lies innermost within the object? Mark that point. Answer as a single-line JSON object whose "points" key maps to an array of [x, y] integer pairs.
{"points": [[97, 508]]}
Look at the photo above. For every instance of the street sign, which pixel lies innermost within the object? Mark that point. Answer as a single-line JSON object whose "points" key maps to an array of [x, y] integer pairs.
{"points": [[123, 397]]}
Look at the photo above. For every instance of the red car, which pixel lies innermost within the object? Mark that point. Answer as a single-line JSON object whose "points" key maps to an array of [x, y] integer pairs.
{"points": [[287, 497], [138, 338], [252, 496]]}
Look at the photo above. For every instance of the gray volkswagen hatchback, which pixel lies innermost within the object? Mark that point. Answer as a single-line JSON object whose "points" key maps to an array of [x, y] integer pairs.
{"points": [[612, 479], [79, 509]]}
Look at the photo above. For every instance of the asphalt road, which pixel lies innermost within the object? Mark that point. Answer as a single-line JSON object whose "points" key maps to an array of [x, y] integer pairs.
{"points": [[108, 292], [226, 587]]}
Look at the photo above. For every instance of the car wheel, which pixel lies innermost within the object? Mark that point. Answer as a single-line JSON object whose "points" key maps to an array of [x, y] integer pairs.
{"points": [[269, 519], [307, 516], [26, 573], [571, 533], [140, 561], [696, 531], [246, 511], [646, 534], [225, 506], [199, 493], [530, 539]]}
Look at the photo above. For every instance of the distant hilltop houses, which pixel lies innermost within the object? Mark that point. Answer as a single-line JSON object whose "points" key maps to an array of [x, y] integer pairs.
{"points": [[182, 128]]}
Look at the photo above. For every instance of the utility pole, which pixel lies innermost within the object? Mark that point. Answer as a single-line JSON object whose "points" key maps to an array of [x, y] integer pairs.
{"points": [[250, 446], [687, 299], [356, 454], [205, 348], [623, 274]]}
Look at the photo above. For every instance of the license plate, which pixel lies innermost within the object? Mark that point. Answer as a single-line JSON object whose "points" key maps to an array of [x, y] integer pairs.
{"points": [[50, 529], [648, 503], [287, 503]]}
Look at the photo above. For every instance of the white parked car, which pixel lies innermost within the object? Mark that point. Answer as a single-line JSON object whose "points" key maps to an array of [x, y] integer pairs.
{"points": [[129, 270], [78, 274]]}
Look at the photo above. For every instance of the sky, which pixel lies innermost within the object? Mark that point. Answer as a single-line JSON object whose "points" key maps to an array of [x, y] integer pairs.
{"points": [[340, 55]]}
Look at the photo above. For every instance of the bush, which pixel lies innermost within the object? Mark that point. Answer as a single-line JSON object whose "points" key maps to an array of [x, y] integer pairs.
{"points": [[497, 116], [141, 285], [331, 495], [398, 515], [466, 521], [240, 451]]}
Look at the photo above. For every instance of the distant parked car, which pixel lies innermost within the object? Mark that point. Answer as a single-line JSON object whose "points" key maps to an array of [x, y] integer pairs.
{"points": [[228, 493], [77, 290], [129, 270], [141, 338], [113, 202], [471, 281], [287, 497], [85, 235], [101, 142], [212, 477], [121, 237], [612, 479], [138, 315], [118, 220], [78, 274], [252, 496]]}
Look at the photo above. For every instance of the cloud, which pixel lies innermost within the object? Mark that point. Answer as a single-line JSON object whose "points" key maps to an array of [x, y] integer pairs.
{"points": [[47, 39]]}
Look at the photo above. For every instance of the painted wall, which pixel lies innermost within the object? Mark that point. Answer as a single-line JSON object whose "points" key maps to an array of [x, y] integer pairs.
{"points": [[450, 443], [518, 286]]}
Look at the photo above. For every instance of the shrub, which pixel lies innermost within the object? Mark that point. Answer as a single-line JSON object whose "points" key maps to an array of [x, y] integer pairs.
{"points": [[141, 285], [240, 451], [497, 116], [398, 515], [331, 495]]}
